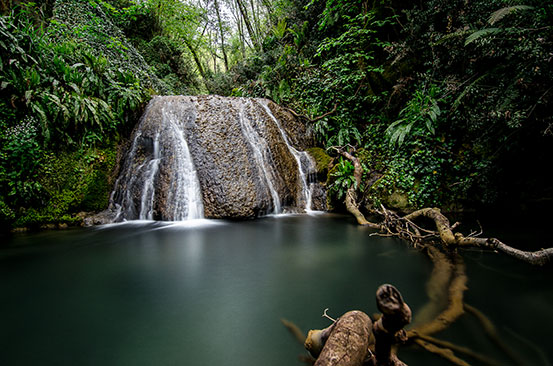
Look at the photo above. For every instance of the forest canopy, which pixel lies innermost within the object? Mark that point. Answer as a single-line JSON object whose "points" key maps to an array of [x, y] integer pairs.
{"points": [[445, 103]]}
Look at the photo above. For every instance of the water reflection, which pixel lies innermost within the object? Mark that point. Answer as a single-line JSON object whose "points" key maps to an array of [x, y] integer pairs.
{"points": [[211, 293]]}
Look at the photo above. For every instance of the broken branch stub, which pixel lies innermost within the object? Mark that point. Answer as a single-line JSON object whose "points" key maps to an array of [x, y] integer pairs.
{"points": [[388, 330]]}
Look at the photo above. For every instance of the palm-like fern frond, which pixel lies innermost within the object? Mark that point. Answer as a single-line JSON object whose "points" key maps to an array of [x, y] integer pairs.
{"points": [[481, 33], [501, 13]]}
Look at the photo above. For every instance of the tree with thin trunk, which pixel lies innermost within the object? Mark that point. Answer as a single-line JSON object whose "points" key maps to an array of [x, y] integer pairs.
{"points": [[222, 33]]}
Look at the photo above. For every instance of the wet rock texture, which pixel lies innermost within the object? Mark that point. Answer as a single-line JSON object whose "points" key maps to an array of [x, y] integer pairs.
{"points": [[242, 163]]}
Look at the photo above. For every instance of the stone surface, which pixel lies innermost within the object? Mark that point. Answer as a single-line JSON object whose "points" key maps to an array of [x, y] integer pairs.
{"points": [[239, 153]]}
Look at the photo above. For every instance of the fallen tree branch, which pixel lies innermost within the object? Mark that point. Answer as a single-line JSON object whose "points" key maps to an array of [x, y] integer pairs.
{"points": [[405, 228], [388, 330], [315, 119], [539, 258], [351, 194], [325, 114]]}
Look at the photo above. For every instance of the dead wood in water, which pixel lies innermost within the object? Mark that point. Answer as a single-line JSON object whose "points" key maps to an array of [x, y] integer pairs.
{"points": [[388, 330], [454, 309], [351, 194], [348, 341], [404, 227]]}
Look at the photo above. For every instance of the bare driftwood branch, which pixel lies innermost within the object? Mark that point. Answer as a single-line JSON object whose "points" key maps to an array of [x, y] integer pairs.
{"points": [[349, 340], [351, 194], [405, 228]]}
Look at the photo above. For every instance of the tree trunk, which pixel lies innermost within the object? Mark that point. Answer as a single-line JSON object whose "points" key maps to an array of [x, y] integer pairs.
{"points": [[348, 341], [220, 23], [351, 194], [245, 17]]}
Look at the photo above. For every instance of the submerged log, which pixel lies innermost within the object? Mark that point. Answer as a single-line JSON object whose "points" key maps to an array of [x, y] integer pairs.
{"points": [[454, 309], [349, 340], [436, 287], [345, 343]]}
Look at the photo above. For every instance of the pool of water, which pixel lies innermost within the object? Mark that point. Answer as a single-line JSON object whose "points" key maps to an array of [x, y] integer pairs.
{"points": [[214, 292]]}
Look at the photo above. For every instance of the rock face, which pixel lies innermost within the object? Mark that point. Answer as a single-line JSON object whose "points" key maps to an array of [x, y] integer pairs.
{"points": [[215, 157]]}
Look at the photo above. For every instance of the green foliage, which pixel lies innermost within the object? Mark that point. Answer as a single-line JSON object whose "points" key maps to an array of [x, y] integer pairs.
{"points": [[85, 22], [72, 182], [342, 178], [60, 94], [421, 109], [503, 12], [20, 160]]}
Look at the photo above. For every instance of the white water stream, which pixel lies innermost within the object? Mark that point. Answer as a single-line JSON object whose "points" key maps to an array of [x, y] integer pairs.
{"points": [[260, 149], [185, 193], [159, 179], [306, 165]]}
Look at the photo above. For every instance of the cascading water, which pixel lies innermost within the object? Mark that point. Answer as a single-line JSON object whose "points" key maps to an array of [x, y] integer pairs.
{"points": [[260, 149], [147, 199], [185, 191], [211, 156], [137, 193], [306, 166]]}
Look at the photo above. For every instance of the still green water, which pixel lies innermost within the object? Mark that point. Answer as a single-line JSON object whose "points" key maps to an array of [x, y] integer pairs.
{"points": [[213, 293]]}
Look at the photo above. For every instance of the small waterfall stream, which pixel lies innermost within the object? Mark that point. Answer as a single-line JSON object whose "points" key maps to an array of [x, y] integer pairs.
{"points": [[210, 156], [185, 192], [306, 166], [147, 199], [260, 149]]}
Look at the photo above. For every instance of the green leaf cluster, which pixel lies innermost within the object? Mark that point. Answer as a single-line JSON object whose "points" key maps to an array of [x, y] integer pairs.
{"points": [[58, 96]]}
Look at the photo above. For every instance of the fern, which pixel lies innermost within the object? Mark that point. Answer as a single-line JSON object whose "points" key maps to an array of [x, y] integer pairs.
{"points": [[481, 33], [503, 12]]}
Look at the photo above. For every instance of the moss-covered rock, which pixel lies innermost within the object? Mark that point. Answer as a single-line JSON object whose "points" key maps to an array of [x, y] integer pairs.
{"points": [[73, 181], [322, 160], [397, 200]]}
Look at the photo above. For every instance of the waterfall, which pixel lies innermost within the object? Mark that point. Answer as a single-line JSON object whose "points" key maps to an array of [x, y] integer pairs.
{"points": [[260, 149], [306, 166], [185, 192], [148, 191], [209, 156], [137, 193]]}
